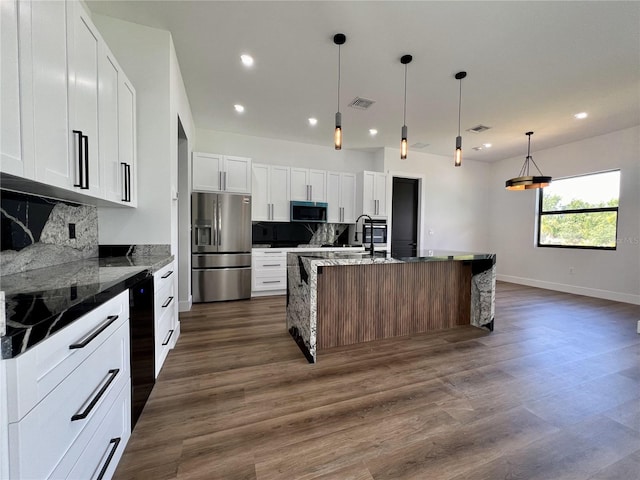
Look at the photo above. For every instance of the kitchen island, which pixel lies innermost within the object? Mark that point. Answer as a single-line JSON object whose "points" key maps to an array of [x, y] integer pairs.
{"points": [[343, 298]]}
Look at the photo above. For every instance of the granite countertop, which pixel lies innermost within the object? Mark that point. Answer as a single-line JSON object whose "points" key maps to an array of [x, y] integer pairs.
{"points": [[346, 258], [40, 302]]}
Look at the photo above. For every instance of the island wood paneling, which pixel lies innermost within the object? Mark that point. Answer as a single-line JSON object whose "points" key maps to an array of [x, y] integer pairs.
{"points": [[360, 303]]}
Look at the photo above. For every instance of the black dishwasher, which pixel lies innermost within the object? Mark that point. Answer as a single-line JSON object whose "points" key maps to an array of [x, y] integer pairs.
{"points": [[142, 335]]}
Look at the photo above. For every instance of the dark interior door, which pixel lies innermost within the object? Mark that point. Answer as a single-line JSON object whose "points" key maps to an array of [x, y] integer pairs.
{"points": [[404, 230]]}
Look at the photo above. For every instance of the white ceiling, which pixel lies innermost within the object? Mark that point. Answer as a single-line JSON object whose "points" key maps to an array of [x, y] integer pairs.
{"points": [[531, 65]]}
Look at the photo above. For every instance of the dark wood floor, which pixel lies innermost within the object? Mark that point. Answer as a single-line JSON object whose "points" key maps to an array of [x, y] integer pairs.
{"points": [[552, 393]]}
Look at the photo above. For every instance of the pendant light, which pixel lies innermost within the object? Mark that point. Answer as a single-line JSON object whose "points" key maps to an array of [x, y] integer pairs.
{"points": [[404, 149], [458, 156], [338, 39], [524, 181]]}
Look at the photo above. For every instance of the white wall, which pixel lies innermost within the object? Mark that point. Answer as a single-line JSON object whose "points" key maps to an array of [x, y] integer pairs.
{"points": [[282, 152], [454, 201], [143, 53], [606, 274]]}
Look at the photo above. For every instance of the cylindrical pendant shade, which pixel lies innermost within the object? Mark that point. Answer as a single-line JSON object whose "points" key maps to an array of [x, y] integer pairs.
{"points": [[404, 149]]}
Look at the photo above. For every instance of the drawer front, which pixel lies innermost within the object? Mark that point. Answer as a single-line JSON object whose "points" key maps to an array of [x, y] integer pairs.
{"points": [[164, 300], [103, 452], [266, 283], [270, 263], [164, 336], [32, 375], [163, 277], [41, 439]]}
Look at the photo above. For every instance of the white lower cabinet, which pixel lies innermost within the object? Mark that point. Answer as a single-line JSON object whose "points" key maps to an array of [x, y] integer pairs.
{"points": [[268, 272], [67, 393], [167, 326]]}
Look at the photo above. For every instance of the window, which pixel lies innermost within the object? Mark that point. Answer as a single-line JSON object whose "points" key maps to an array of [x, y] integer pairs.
{"points": [[580, 212]]}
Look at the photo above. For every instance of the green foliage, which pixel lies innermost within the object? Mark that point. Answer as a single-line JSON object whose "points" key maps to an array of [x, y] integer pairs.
{"points": [[593, 229]]}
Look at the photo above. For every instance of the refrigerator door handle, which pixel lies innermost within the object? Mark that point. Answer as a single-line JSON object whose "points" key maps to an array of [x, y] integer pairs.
{"points": [[218, 222]]}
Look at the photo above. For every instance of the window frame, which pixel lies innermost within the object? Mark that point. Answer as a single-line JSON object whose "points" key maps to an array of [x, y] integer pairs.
{"points": [[540, 213]]}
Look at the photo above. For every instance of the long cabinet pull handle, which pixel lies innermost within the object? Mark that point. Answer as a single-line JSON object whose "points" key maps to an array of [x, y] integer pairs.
{"points": [[85, 147], [272, 281], [114, 442], [124, 181], [83, 342], [168, 274], [78, 134], [166, 342], [128, 168], [272, 265], [167, 303], [85, 413]]}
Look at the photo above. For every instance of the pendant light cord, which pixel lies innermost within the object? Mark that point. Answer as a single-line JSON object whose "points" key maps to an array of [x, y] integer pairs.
{"points": [[338, 78], [459, 106], [404, 115]]}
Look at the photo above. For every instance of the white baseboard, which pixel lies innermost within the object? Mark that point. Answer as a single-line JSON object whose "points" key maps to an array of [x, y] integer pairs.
{"points": [[185, 305], [268, 293], [561, 287]]}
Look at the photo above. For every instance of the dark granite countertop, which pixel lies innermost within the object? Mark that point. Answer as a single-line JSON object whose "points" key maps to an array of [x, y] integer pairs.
{"points": [[41, 302]]}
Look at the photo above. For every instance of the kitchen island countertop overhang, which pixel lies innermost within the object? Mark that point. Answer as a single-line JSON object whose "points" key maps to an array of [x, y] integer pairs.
{"points": [[341, 298]]}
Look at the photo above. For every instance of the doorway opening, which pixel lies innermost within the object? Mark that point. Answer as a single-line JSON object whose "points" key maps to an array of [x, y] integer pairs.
{"points": [[404, 216]]}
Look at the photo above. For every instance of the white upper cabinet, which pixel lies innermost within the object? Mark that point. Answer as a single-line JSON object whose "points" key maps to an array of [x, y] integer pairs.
{"points": [[117, 131], [11, 160], [270, 193], [43, 96], [341, 196], [83, 57], [221, 173], [308, 185], [372, 193]]}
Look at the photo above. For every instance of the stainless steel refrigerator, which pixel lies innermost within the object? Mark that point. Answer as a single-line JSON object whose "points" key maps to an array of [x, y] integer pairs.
{"points": [[220, 247]]}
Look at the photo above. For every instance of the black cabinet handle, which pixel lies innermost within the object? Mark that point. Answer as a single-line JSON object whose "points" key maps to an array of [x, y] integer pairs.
{"points": [[128, 167], [114, 442], [101, 328], [125, 186], [168, 338], [167, 275], [79, 144], [85, 147], [82, 415], [166, 304]]}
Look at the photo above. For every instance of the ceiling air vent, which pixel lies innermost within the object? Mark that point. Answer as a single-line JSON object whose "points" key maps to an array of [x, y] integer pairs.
{"points": [[361, 103], [419, 145], [478, 129], [477, 149]]}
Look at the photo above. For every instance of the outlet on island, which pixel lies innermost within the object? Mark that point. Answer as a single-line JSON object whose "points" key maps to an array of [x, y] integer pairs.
{"points": [[72, 230]]}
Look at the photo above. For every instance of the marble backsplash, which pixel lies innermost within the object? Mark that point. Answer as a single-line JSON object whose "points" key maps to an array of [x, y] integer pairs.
{"points": [[39, 232]]}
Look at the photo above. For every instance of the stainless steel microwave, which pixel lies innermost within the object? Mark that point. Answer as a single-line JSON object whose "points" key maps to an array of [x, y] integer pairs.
{"points": [[308, 211]]}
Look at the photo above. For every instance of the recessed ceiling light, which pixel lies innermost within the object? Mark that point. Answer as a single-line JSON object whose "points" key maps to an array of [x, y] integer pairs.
{"points": [[247, 60], [486, 145], [581, 115], [239, 108], [477, 149], [313, 121], [373, 131]]}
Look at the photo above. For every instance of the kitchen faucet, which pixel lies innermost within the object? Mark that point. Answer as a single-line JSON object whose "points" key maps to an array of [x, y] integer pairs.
{"points": [[363, 237]]}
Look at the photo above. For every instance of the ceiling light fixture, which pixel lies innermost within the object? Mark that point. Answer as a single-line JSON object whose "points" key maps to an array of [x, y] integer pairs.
{"points": [[313, 121], [373, 131], [581, 115], [405, 60], [247, 60], [339, 39], [524, 181], [487, 145], [239, 108], [458, 157]]}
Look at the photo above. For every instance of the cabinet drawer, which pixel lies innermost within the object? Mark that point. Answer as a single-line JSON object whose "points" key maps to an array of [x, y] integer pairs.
{"points": [[278, 282], [105, 448], [164, 300], [71, 412], [32, 375], [270, 263], [164, 277]]}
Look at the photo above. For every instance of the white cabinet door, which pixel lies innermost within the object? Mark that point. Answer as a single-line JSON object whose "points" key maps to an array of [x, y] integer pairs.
{"points": [[280, 196], [43, 81], [381, 194], [334, 210], [127, 144], [206, 171], [83, 58], [236, 177], [318, 185], [260, 204], [348, 197], [108, 127], [11, 160], [300, 184]]}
